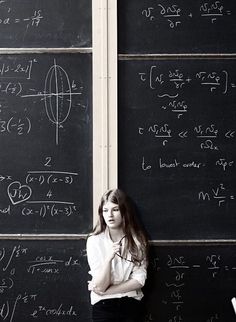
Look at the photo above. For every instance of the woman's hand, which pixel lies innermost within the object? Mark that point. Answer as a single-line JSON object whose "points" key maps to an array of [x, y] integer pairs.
{"points": [[114, 248], [102, 281], [93, 287]]}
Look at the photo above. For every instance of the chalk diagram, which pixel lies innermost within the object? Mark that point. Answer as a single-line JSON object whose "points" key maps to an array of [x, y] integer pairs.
{"points": [[57, 97]]}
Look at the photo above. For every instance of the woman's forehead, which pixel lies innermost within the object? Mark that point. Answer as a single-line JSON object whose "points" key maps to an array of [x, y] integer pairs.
{"points": [[109, 204]]}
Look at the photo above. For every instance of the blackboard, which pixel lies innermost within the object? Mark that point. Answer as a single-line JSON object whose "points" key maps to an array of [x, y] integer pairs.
{"points": [[191, 283], [44, 281], [167, 27], [44, 23], [177, 145], [46, 143]]}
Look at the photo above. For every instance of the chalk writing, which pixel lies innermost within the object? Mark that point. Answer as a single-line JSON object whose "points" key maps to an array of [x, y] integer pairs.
{"points": [[15, 125], [31, 273], [9, 309], [175, 15], [61, 310], [21, 193], [16, 252], [182, 274], [53, 209], [57, 96], [206, 134], [219, 194], [17, 70], [9, 17], [18, 193], [170, 85], [50, 265]]}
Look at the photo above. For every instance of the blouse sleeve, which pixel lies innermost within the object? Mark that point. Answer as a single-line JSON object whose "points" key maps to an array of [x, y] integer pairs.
{"points": [[139, 273], [93, 256]]}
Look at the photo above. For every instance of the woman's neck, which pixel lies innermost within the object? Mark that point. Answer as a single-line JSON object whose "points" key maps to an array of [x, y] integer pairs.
{"points": [[116, 234]]}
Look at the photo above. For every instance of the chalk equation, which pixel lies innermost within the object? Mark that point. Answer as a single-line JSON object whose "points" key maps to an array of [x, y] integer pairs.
{"points": [[47, 181], [15, 70], [51, 265], [8, 309], [56, 96], [218, 193], [170, 86], [15, 125], [40, 267], [61, 311], [8, 16], [175, 15], [206, 134], [175, 273]]}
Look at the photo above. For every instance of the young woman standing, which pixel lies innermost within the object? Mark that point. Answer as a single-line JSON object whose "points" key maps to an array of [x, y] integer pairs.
{"points": [[117, 257]]}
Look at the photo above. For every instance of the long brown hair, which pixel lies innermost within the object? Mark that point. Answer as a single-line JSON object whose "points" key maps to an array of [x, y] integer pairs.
{"points": [[136, 236]]}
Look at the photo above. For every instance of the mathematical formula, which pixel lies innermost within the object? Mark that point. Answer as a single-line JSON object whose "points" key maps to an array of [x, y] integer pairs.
{"points": [[205, 133], [175, 15], [177, 270], [40, 268], [170, 86], [23, 192], [57, 96]]}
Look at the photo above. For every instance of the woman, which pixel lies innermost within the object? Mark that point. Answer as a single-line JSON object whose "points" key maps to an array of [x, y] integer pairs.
{"points": [[117, 256]]}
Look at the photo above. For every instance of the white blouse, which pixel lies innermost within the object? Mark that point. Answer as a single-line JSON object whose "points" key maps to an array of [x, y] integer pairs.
{"points": [[121, 269]]}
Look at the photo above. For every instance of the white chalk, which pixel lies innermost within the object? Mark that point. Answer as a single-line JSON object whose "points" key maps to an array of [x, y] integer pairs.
{"points": [[233, 300]]}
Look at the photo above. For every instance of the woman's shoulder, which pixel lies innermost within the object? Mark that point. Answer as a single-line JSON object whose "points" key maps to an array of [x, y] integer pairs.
{"points": [[95, 238]]}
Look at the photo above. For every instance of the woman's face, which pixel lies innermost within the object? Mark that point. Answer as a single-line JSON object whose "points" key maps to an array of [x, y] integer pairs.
{"points": [[112, 215]]}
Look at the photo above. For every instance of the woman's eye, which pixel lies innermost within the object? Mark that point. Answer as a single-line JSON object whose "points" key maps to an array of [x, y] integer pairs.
{"points": [[116, 209], [104, 210]]}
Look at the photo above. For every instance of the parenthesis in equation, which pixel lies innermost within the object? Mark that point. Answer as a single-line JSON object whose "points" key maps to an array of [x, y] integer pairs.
{"points": [[71, 180], [3, 254], [29, 124], [8, 125], [48, 180], [23, 212], [150, 76], [4, 316], [11, 283], [226, 81], [41, 179], [20, 89], [70, 212], [43, 211], [27, 179], [52, 210]]}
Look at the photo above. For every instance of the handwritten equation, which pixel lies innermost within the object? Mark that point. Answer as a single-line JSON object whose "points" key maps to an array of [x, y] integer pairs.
{"points": [[8, 16], [19, 262], [207, 134], [23, 193], [175, 273], [219, 194], [175, 15], [170, 86], [57, 96]]}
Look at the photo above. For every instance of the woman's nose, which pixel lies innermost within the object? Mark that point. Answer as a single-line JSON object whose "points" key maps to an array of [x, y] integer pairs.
{"points": [[110, 213]]}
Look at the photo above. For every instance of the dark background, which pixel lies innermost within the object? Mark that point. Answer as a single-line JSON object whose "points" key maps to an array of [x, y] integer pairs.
{"points": [[167, 27], [65, 200], [59, 24]]}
